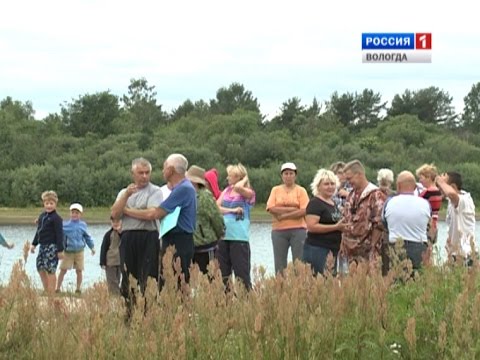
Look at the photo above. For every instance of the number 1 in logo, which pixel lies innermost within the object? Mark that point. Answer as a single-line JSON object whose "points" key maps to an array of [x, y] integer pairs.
{"points": [[423, 41]]}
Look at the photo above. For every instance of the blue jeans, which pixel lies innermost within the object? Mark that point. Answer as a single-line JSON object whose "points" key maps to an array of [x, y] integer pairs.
{"points": [[413, 251], [316, 256]]}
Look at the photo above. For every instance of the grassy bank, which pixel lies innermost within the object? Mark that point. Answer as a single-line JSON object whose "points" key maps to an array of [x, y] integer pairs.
{"points": [[95, 215], [101, 215], [295, 316]]}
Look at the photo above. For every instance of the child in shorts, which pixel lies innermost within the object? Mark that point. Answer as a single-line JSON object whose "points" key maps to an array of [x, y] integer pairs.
{"points": [[49, 235], [76, 238]]}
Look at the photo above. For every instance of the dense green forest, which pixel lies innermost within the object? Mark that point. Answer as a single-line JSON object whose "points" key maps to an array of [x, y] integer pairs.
{"points": [[84, 152]]}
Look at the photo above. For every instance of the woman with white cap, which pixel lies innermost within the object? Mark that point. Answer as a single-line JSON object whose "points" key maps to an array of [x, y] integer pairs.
{"points": [[287, 204]]}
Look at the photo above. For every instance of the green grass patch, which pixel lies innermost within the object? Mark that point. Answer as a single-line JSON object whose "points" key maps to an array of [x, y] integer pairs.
{"points": [[93, 215]]}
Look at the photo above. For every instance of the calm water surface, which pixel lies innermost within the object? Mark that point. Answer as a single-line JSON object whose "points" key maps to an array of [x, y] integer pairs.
{"points": [[260, 242]]}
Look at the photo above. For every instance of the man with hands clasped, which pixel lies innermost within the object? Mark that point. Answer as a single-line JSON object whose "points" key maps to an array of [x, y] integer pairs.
{"points": [[139, 246]]}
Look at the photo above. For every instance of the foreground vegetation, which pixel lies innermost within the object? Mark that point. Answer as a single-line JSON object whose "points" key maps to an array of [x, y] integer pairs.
{"points": [[295, 316]]}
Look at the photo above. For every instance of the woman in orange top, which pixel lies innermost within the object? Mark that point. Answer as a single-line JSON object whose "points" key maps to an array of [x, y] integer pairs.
{"points": [[287, 204]]}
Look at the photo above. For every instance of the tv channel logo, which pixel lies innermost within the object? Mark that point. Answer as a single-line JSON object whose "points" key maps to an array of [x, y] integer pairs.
{"points": [[397, 47]]}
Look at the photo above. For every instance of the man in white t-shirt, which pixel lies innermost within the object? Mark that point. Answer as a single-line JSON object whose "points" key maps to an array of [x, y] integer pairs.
{"points": [[460, 216], [407, 217]]}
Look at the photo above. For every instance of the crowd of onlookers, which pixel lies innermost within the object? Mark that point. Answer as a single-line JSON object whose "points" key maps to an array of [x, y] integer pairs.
{"points": [[355, 220], [347, 218]]}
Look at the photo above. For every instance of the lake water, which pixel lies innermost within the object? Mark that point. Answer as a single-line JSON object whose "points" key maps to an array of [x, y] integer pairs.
{"points": [[260, 243]]}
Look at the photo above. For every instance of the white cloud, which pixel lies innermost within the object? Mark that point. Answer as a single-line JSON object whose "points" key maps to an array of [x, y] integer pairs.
{"points": [[53, 51]]}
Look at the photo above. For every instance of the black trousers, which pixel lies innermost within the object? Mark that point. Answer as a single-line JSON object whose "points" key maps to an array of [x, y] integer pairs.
{"points": [[184, 248], [139, 251], [202, 259], [235, 256]]}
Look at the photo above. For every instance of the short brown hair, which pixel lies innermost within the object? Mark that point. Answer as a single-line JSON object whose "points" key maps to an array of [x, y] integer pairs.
{"points": [[355, 166], [337, 166], [50, 195]]}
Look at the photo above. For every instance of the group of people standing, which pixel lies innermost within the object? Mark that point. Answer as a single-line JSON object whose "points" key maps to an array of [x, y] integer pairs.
{"points": [[355, 220], [347, 217], [191, 214], [60, 240]]}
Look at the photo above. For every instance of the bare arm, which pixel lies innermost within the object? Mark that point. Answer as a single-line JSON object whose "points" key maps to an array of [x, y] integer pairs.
{"points": [[343, 193], [225, 210], [279, 210], [315, 227], [146, 214], [241, 188], [431, 230], [295, 214], [121, 202], [447, 189]]}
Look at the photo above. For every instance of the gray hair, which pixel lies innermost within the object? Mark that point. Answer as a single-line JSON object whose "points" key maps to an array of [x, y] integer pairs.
{"points": [[179, 163], [142, 162], [320, 176], [385, 177]]}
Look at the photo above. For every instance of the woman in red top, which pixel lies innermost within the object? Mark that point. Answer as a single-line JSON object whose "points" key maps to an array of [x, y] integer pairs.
{"points": [[426, 175]]}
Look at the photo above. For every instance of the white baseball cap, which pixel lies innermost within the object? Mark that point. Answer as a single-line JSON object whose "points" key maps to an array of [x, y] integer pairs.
{"points": [[288, 166], [76, 206]]}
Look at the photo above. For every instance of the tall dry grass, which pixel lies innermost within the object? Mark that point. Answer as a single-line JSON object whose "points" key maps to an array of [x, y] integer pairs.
{"points": [[432, 315]]}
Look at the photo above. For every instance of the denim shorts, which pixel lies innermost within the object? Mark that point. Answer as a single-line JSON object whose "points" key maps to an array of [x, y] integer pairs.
{"points": [[47, 259]]}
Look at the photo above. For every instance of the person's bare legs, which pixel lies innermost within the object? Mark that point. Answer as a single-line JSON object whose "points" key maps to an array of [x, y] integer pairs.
{"points": [[44, 278], [52, 280], [79, 279], [60, 278]]}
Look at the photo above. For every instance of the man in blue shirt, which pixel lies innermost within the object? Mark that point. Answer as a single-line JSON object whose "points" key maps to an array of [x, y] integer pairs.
{"points": [[183, 196]]}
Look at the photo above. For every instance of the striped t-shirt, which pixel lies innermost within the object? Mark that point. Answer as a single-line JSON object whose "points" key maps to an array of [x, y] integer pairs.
{"points": [[237, 227], [434, 197]]}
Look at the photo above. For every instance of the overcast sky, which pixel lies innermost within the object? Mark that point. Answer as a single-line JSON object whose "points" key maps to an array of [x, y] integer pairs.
{"points": [[54, 51]]}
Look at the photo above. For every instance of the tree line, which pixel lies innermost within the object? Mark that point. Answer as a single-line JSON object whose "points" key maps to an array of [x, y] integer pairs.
{"points": [[84, 151]]}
